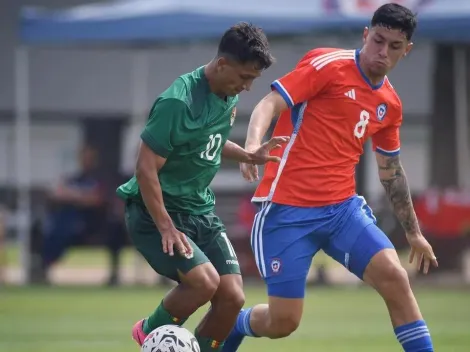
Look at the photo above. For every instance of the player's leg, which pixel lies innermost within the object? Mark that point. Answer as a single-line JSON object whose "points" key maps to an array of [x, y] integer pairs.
{"points": [[368, 253], [229, 297], [226, 304], [283, 251], [198, 279]]}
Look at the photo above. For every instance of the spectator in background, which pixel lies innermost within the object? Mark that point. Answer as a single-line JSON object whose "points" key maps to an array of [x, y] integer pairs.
{"points": [[3, 255], [115, 230], [75, 209]]}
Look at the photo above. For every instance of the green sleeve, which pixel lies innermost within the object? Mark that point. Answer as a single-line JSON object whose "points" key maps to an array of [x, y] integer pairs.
{"points": [[163, 125]]}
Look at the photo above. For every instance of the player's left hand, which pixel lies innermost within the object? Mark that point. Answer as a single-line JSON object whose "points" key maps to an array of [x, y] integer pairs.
{"points": [[262, 155], [422, 251], [249, 172]]}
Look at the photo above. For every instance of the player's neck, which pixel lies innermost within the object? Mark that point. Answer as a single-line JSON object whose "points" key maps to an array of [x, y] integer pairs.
{"points": [[210, 73], [374, 79]]}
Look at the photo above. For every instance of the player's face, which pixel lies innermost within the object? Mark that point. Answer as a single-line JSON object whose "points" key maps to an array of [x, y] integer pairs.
{"points": [[235, 77], [383, 48]]}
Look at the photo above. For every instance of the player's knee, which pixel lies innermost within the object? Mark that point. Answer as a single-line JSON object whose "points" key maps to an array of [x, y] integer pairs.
{"points": [[234, 301], [204, 281], [230, 296], [395, 282], [389, 277], [284, 316], [284, 326]]}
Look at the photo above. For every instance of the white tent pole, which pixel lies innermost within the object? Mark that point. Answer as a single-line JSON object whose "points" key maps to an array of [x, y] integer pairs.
{"points": [[23, 173], [140, 77], [140, 80], [461, 111]]}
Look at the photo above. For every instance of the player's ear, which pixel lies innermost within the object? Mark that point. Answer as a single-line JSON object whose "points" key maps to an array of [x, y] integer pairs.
{"points": [[221, 63], [365, 34], [408, 48]]}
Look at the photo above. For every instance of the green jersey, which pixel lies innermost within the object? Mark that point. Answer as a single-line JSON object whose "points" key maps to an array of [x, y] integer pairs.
{"points": [[188, 125]]}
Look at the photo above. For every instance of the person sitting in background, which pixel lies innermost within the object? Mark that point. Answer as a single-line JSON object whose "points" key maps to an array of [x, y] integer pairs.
{"points": [[75, 209], [3, 255], [116, 236]]}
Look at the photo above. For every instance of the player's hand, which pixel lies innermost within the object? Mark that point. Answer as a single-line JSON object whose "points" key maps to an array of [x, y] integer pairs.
{"points": [[261, 155], [422, 251], [249, 172], [172, 238]]}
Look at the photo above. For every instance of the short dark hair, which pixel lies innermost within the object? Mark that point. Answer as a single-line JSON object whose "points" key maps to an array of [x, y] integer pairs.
{"points": [[245, 42], [395, 16]]}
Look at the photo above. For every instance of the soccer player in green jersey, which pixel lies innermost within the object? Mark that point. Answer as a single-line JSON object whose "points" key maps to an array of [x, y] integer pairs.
{"points": [[169, 205]]}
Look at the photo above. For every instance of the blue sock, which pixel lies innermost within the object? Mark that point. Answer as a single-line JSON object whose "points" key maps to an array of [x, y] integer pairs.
{"points": [[414, 337], [243, 323]]}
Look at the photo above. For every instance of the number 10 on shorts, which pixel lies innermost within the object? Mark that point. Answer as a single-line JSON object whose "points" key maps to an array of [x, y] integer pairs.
{"points": [[229, 245]]}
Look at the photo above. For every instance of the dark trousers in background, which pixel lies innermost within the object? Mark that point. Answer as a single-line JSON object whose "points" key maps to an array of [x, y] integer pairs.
{"points": [[62, 229], [116, 240]]}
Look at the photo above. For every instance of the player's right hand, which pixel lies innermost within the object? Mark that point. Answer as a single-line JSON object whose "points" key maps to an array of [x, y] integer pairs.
{"points": [[172, 238], [249, 172]]}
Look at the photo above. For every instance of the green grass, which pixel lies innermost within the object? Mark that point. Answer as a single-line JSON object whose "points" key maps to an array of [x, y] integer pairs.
{"points": [[86, 257], [76, 257], [99, 320]]}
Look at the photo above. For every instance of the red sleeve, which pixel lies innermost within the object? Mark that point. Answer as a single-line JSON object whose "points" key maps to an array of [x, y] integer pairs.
{"points": [[310, 77], [387, 140]]}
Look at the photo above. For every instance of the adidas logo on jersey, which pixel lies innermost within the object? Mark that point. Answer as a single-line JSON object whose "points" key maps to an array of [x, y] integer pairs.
{"points": [[351, 94]]}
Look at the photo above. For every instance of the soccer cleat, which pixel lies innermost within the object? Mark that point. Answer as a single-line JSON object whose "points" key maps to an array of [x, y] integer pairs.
{"points": [[138, 333], [233, 341]]}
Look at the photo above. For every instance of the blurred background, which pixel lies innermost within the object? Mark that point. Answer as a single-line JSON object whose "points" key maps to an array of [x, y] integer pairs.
{"points": [[77, 81]]}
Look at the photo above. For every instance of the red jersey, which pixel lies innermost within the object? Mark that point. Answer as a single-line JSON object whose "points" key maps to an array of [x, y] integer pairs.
{"points": [[333, 110]]}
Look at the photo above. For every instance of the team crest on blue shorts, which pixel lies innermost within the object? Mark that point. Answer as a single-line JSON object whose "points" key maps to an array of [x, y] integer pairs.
{"points": [[381, 111], [275, 265]]}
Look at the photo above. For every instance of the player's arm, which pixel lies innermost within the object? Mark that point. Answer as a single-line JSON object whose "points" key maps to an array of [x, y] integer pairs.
{"points": [[386, 144], [156, 145], [234, 152], [298, 86], [393, 178], [147, 167], [261, 118], [258, 156]]}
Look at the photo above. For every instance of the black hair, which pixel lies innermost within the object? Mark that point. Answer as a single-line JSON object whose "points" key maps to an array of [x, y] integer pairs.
{"points": [[395, 16], [245, 42]]}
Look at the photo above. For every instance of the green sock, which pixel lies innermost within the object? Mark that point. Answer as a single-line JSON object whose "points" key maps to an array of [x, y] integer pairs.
{"points": [[159, 318], [207, 344]]}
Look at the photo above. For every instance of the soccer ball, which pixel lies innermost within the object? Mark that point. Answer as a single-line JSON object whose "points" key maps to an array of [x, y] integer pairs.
{"points": [[170, 338]]}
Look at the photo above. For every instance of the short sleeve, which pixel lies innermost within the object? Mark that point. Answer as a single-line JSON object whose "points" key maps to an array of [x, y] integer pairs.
{"points": [[310, 77], [387, 140], [163, 124]]}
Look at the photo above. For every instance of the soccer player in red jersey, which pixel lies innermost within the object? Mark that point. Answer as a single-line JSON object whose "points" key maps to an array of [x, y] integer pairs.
{"points": [[330, 104]]}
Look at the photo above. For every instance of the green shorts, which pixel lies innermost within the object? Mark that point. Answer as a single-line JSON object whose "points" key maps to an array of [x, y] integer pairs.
{"points": [[206, 234]]}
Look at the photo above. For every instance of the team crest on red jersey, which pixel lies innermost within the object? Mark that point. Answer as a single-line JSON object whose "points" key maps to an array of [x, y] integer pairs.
{"points": [[381, 111], [232, 118]]}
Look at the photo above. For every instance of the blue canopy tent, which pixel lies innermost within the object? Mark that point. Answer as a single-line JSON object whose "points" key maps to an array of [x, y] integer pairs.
{"points": [[127, 23]]}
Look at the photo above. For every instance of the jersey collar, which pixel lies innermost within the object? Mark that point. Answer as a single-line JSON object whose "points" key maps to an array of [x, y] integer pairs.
{"points": [[369, 83]]}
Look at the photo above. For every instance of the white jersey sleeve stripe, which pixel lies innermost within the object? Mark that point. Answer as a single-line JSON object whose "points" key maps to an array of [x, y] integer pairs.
{"points": [[330, 60], [325, 57]]}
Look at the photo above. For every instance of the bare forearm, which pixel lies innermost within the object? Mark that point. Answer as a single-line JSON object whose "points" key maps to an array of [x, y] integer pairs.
{"points": [[393, 178], [86, 199], [151, 192], [260, 121], [234, 152]]}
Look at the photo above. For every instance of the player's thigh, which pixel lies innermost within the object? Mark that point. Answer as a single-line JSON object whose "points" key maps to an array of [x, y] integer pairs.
{"points": [[283, 248], [213, 240], [358, 239], [148, 241]]}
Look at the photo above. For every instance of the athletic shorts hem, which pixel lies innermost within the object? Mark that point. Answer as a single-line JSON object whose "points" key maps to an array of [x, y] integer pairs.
{"points": [[292, 289]]}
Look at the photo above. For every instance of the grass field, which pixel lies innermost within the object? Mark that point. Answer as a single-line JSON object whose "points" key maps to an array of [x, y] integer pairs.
{"points": [[89, 319]]}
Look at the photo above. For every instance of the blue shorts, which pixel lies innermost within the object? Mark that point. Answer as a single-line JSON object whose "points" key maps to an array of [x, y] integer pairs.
{"points": [[284, 240]]}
